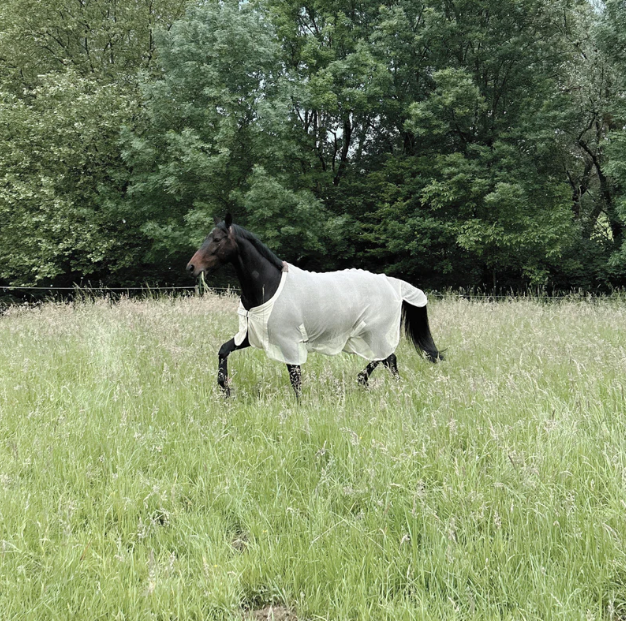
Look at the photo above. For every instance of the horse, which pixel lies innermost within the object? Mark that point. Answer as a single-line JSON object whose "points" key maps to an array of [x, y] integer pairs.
{"points": [[288, 312]]}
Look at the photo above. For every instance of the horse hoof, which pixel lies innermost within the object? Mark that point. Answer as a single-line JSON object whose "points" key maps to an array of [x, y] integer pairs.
{"points": [[361, 378]]}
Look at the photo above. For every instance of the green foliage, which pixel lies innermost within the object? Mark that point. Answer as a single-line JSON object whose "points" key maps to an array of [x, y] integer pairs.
{"points": [[451, 107], [58, 160], [612, 39], [451, 143], [215, 135], [68, 84], [466, 143], [290, 222], [94, 38]]}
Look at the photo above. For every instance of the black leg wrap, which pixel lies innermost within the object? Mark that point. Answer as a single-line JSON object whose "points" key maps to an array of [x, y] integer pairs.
{"points": [[222, 370], [222, 376], [392, 364], [295, 376], [364, 375]]}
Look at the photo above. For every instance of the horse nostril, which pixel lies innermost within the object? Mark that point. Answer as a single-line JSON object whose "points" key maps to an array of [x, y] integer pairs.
{"points": [[190, 267]]}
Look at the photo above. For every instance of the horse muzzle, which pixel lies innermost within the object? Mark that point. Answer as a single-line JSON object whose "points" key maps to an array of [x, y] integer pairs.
{"points": [[197, 268], [196, 271], [200, 263]]}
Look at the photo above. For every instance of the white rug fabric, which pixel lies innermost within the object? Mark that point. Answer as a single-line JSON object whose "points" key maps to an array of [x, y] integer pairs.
{"points": [[352, 310]]}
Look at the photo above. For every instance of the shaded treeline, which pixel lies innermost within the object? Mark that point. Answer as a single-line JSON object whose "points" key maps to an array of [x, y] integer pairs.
{"points": [[455, 143]]}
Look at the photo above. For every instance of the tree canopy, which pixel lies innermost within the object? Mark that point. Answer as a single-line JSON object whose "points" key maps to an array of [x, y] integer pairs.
{"points": [[451, 142]]}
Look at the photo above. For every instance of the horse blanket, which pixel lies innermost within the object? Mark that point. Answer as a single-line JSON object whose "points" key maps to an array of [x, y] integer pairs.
{"points": [[352, 310]]}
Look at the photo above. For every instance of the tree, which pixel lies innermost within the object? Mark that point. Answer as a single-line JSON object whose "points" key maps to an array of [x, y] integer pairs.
{"points": [[98, 39], [452, 142], [431, 119], [68, 83], [611, 40], [58, 152], [217, 136]]}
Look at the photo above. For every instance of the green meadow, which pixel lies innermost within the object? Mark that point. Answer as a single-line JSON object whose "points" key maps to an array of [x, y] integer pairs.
{"points": [[490, 486]]}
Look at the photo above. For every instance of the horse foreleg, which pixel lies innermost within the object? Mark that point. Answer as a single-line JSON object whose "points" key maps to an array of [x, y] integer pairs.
{"points": [[392, 364], [222, 371], [364, 375], [295, 375]]}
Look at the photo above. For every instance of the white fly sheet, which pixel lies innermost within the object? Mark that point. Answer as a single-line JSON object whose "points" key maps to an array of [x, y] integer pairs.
{"points": [[352, 311]]}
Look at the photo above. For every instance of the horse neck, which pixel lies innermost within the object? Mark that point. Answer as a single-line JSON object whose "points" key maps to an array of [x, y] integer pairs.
{"points": [[258, 277]]}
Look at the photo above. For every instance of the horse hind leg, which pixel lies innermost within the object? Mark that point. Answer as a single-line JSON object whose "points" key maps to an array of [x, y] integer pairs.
{"points": [[364, 375], [391, 362]]}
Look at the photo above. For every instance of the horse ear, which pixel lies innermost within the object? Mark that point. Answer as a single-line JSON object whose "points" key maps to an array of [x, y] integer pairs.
{"points": [[228, 220], [216, 220]]}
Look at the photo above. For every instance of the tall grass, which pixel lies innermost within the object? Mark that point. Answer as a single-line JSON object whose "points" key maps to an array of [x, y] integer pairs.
{"points": [[491, 486]]}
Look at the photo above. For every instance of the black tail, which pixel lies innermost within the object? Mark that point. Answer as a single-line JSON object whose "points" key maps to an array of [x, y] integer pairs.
{"points": [[416, 329]]}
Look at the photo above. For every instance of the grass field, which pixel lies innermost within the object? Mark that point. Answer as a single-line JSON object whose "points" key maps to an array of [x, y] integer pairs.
{"points": [[491, 486]]}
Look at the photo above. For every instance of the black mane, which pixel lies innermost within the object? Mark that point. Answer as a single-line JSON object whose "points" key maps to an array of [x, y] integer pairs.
{"points": [[262, 249]]}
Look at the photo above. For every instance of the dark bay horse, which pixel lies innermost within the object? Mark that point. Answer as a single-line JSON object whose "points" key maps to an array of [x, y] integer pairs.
{"points": [[289, 312]]}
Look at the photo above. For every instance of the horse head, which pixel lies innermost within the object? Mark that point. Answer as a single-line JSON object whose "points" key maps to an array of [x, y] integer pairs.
{"points": [[218, 248]]}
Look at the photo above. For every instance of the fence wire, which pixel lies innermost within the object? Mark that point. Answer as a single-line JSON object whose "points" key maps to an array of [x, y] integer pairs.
{"points": [[89, 288], [203, 288]]}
